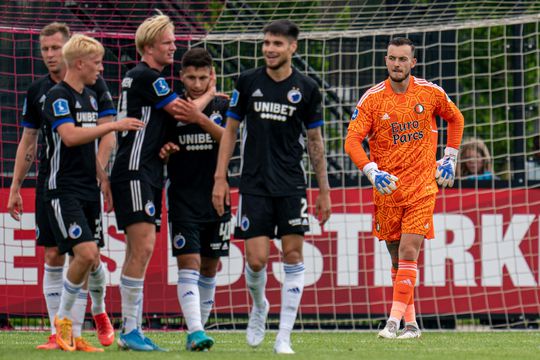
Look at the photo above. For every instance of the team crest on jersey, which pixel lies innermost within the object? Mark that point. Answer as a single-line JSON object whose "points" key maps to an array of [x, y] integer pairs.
{"points": [[150, 209], [354, 114], [60, 107], [244, 223], [74, 231], [161, 87], [179, 241], [93, 102], [216, 117], [24, 107], [419, 108], [294, 96], [234, 98]]}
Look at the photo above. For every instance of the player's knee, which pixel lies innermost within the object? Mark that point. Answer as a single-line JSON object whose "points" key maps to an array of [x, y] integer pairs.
{"points": [[53, 257], [293, 257], [256, 264], [209, 269], [189, 262], [87, 257]]}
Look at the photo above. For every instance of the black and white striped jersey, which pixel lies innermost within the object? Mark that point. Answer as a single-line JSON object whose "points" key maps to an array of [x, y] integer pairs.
{"points": [[144, 94], [72, 170], [276, 115], [32, 115]]}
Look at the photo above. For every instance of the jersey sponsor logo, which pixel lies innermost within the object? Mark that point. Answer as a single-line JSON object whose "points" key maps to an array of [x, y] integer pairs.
{"points": [[150, 209], [234, 98], [179, 241], [257, 93], [24, 107], [93, 102], [405, 132], [273, 111], [294, 96], [194, 142], [244, 223], [61, 107], [87, 118], [74, 231], [419, 108], [216, 118], [354, 114], [161, 87]]}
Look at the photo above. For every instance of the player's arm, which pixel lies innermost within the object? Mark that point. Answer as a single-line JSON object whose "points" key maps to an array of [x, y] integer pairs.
{"points": [[318, 161], [220, 193], [446, 167], [26, 153], [106, 144], [359, 127], [72, 135]]}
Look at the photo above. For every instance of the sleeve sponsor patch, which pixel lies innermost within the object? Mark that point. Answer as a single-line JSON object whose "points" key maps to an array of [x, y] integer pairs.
{"points": [[161, 87], [60, 107], [234, 98], [354, 114]]}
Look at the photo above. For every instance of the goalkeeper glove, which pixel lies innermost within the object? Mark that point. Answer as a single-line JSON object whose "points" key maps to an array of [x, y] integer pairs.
{"points": [[446, 168], [384, 182]]}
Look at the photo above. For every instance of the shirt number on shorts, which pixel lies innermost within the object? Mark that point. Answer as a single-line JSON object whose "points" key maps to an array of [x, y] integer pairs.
{"points": [[225, 231], [303, 210]]}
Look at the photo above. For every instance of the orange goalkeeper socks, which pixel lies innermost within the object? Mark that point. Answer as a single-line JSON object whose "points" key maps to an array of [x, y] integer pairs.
{"points": [[403, 288]]}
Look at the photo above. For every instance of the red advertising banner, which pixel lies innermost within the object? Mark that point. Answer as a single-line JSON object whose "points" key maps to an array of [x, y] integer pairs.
{"points": [[484, 259]]}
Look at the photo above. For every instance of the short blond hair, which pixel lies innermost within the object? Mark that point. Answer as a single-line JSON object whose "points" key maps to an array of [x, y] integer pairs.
{"points": [[80, 46], [149, 31]]}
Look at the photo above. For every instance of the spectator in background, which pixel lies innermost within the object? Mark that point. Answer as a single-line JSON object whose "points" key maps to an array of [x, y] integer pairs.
{"points": [[475, 161]]}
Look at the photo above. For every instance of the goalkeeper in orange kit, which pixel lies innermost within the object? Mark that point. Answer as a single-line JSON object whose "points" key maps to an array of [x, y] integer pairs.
{"points": [[397, 115]]}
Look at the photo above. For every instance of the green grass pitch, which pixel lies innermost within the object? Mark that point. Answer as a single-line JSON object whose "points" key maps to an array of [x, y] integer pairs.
{"points": [[508, 345]]}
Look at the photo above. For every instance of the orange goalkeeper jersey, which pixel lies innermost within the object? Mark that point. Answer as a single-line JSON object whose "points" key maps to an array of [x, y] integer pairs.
{"points": [[400, 130]]}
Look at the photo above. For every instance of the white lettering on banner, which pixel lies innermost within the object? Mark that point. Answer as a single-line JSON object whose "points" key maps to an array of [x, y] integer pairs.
{"points": [[499, 250], [11, 248], [347, 227], [436, 251]]}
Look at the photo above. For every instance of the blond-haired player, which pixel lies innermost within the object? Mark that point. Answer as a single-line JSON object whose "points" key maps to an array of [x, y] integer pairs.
{"points": [[71, 189], [398, 116]]}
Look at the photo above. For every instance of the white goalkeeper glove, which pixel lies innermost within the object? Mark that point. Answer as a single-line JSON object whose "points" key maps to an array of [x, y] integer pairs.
{"points": [[384, 182], [446, 168]]}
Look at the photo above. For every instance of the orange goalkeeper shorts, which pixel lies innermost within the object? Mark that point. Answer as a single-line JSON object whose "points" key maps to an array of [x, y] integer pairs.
{"points": [[416, 218]]}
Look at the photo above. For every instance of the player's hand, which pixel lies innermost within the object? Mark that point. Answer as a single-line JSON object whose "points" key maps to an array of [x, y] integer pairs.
{"points": [[168, 149], [384, 182], [105, 187], [187, 111], [15, 205], [446, 168], [221, 196], [323, 207], [128, 124]]}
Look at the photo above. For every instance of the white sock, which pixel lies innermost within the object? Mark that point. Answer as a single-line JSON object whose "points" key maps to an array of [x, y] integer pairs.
{"points": [[131, 292], [69, 295], [291, 294], [140, 312], [52, 290], [256, 283], [97, 289], [78, 311], [207, 291], [189, 298]]}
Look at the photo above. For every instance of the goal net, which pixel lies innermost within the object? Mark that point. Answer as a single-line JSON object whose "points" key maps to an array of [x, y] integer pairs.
{"points": [[483, 265]]}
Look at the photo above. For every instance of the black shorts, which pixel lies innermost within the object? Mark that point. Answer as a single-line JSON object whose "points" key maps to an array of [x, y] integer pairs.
{"points": [[44, 232], [74, 221], [211, 239], [271, 216], [136, 201]]}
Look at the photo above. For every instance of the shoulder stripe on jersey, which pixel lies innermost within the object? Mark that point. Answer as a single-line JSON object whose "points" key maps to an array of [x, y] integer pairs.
{"points": [[233, 115], [106, 113], [57, 123], [55, 203], [377, 88], [423, 82], [136, 147], [55, 160], [315, 124], [166, 101], [29, 125], [136, 195]]}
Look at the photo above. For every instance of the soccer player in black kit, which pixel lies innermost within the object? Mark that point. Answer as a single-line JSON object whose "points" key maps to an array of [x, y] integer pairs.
{"points": [[72, 193], [137, 174], [278, 105], [199, 235], [52, 38]]}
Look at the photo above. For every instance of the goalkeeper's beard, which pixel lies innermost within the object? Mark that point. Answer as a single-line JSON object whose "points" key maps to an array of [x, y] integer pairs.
{"points": [[397, 80]]}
